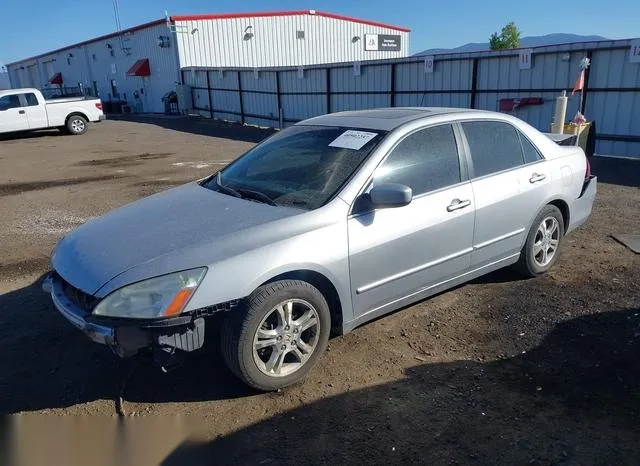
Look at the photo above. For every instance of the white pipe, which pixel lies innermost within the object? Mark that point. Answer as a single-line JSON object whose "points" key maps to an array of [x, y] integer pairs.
{"points": [[560, 114]]}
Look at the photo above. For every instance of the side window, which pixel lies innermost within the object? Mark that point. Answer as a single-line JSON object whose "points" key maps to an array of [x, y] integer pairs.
{"points": [[531, 154], [32, 100], [494, 146], [425, 161], [9, 101]]}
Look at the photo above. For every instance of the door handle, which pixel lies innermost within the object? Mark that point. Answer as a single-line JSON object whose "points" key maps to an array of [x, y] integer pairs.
{"points": [[457, 204], [21, 112], [537, 177]]}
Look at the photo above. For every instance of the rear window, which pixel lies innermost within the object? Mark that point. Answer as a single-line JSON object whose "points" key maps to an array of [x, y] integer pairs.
{"points": [[531, 154], [495, 146], [32, 100]]}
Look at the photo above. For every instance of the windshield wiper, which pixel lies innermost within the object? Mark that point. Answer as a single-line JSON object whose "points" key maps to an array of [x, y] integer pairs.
{"points": [[226, 189], [256, 196]]}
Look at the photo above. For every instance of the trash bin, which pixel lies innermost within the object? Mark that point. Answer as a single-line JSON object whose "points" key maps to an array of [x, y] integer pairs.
{"points": [[170, 100], [581, 131]]}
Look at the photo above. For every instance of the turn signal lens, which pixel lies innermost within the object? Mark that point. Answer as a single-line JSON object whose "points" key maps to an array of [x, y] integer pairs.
{"points": [[179, 302]]}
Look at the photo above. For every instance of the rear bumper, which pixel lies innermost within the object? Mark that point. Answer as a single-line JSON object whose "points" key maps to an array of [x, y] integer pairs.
{"points": [[102, 117], [127, 337], [581, 208]]}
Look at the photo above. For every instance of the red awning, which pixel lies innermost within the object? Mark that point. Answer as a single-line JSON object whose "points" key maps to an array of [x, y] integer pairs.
{"points": [[140, 68], [56, 79]]}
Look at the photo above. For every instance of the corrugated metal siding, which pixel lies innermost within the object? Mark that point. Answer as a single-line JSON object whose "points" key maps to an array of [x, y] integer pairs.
{"points": [[415, 88], [615, 112], [302, 106], [258, 103], [143, 44], [371, 79], [223, 42], [554, 68], [83, 68], [225, 99]]}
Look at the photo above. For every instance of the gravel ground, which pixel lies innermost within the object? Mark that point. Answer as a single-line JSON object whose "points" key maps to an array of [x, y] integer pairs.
{"points": [[499, 371]]}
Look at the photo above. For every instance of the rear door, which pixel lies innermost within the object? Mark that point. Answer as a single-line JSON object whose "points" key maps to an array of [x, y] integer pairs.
{"points": [[36, 112], [509, 177], [397, 252], [13, 116]]}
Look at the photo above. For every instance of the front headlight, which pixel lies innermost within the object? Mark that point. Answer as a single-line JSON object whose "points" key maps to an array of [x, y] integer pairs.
{"points": [[163, 296]]}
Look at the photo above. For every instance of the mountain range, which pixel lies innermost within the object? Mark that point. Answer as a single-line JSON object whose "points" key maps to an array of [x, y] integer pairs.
{"points": [[525, 42]]}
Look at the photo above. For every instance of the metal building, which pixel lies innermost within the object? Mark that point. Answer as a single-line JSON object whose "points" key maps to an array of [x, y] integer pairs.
{"points": [[4, 80], [140, 65]]}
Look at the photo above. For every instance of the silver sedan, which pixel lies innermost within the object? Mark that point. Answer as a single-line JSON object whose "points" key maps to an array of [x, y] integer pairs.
{"points": [[320, 228]]}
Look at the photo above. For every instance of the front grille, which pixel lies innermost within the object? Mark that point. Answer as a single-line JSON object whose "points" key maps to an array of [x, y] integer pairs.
{"points": [[84, 301]]}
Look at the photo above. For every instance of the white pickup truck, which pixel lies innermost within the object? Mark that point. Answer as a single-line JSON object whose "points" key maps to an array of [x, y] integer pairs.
{"points": [[27, 110]]}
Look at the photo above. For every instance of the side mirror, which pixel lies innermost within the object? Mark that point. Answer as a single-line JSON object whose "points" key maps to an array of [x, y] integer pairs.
{"points": [[390, 195]]}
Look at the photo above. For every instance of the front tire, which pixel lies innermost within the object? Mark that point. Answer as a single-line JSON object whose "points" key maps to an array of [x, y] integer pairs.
{"points": [[541, 249], [77, 124], [279, 335]]}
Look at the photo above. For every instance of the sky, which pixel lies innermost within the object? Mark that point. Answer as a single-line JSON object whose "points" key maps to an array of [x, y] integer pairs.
{"points": [[30, 27]]}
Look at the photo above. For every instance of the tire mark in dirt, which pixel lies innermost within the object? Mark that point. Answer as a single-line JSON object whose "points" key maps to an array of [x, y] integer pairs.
{"points": [[9, 189], [125, 160], [25, 267], [108, 151]]}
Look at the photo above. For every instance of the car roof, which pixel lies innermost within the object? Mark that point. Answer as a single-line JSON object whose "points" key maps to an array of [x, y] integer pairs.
{"points": [[385, 119]]}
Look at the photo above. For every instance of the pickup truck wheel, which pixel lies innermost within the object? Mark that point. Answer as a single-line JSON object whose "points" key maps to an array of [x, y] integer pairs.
{"points": [[541, 249], [279, 335], [77, 124]]}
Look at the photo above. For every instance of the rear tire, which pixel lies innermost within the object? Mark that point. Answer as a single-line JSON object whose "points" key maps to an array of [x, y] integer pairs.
{"points": [[279, 335], [542, 247], [76, 125]]}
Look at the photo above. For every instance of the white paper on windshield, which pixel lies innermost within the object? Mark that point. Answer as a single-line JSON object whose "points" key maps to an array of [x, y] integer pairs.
{"points": [[353, 139]]}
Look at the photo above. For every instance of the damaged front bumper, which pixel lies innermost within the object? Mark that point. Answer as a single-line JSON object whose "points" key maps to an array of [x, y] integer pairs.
{"points": [[127, 337]]}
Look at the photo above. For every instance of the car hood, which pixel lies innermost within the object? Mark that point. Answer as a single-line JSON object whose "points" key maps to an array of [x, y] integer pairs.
{"points": [[171, 222]]}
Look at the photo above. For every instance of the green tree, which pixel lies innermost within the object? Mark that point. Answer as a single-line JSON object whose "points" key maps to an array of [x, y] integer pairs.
{"points": [[509, 38]]}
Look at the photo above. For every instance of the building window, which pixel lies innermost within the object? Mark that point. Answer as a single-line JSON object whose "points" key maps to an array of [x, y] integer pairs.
{"points": [[69, 61], [299, 34], [114, 88], [93, 56]]}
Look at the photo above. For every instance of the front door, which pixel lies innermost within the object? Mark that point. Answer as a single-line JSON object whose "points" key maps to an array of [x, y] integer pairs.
{"points": [[397, 252], [13, 116], [36, 113], [510, 177]]}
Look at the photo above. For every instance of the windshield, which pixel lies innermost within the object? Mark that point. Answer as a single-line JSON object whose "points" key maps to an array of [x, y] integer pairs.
{"points": [[301, 166]]}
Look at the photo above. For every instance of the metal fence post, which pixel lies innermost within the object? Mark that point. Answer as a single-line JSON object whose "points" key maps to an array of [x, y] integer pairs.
{"points": [[280, 112], [585, 87], [240, 95], [474, 83], [209, 95], [328, 92], [392, 97]]}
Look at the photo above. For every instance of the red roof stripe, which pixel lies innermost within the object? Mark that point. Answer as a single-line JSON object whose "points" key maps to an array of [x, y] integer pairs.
{"points": [[284, 13], [213, 16], [90, 41]]}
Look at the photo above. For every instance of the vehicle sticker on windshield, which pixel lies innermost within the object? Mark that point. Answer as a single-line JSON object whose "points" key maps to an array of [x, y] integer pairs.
{"points": [[353, 139]]}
